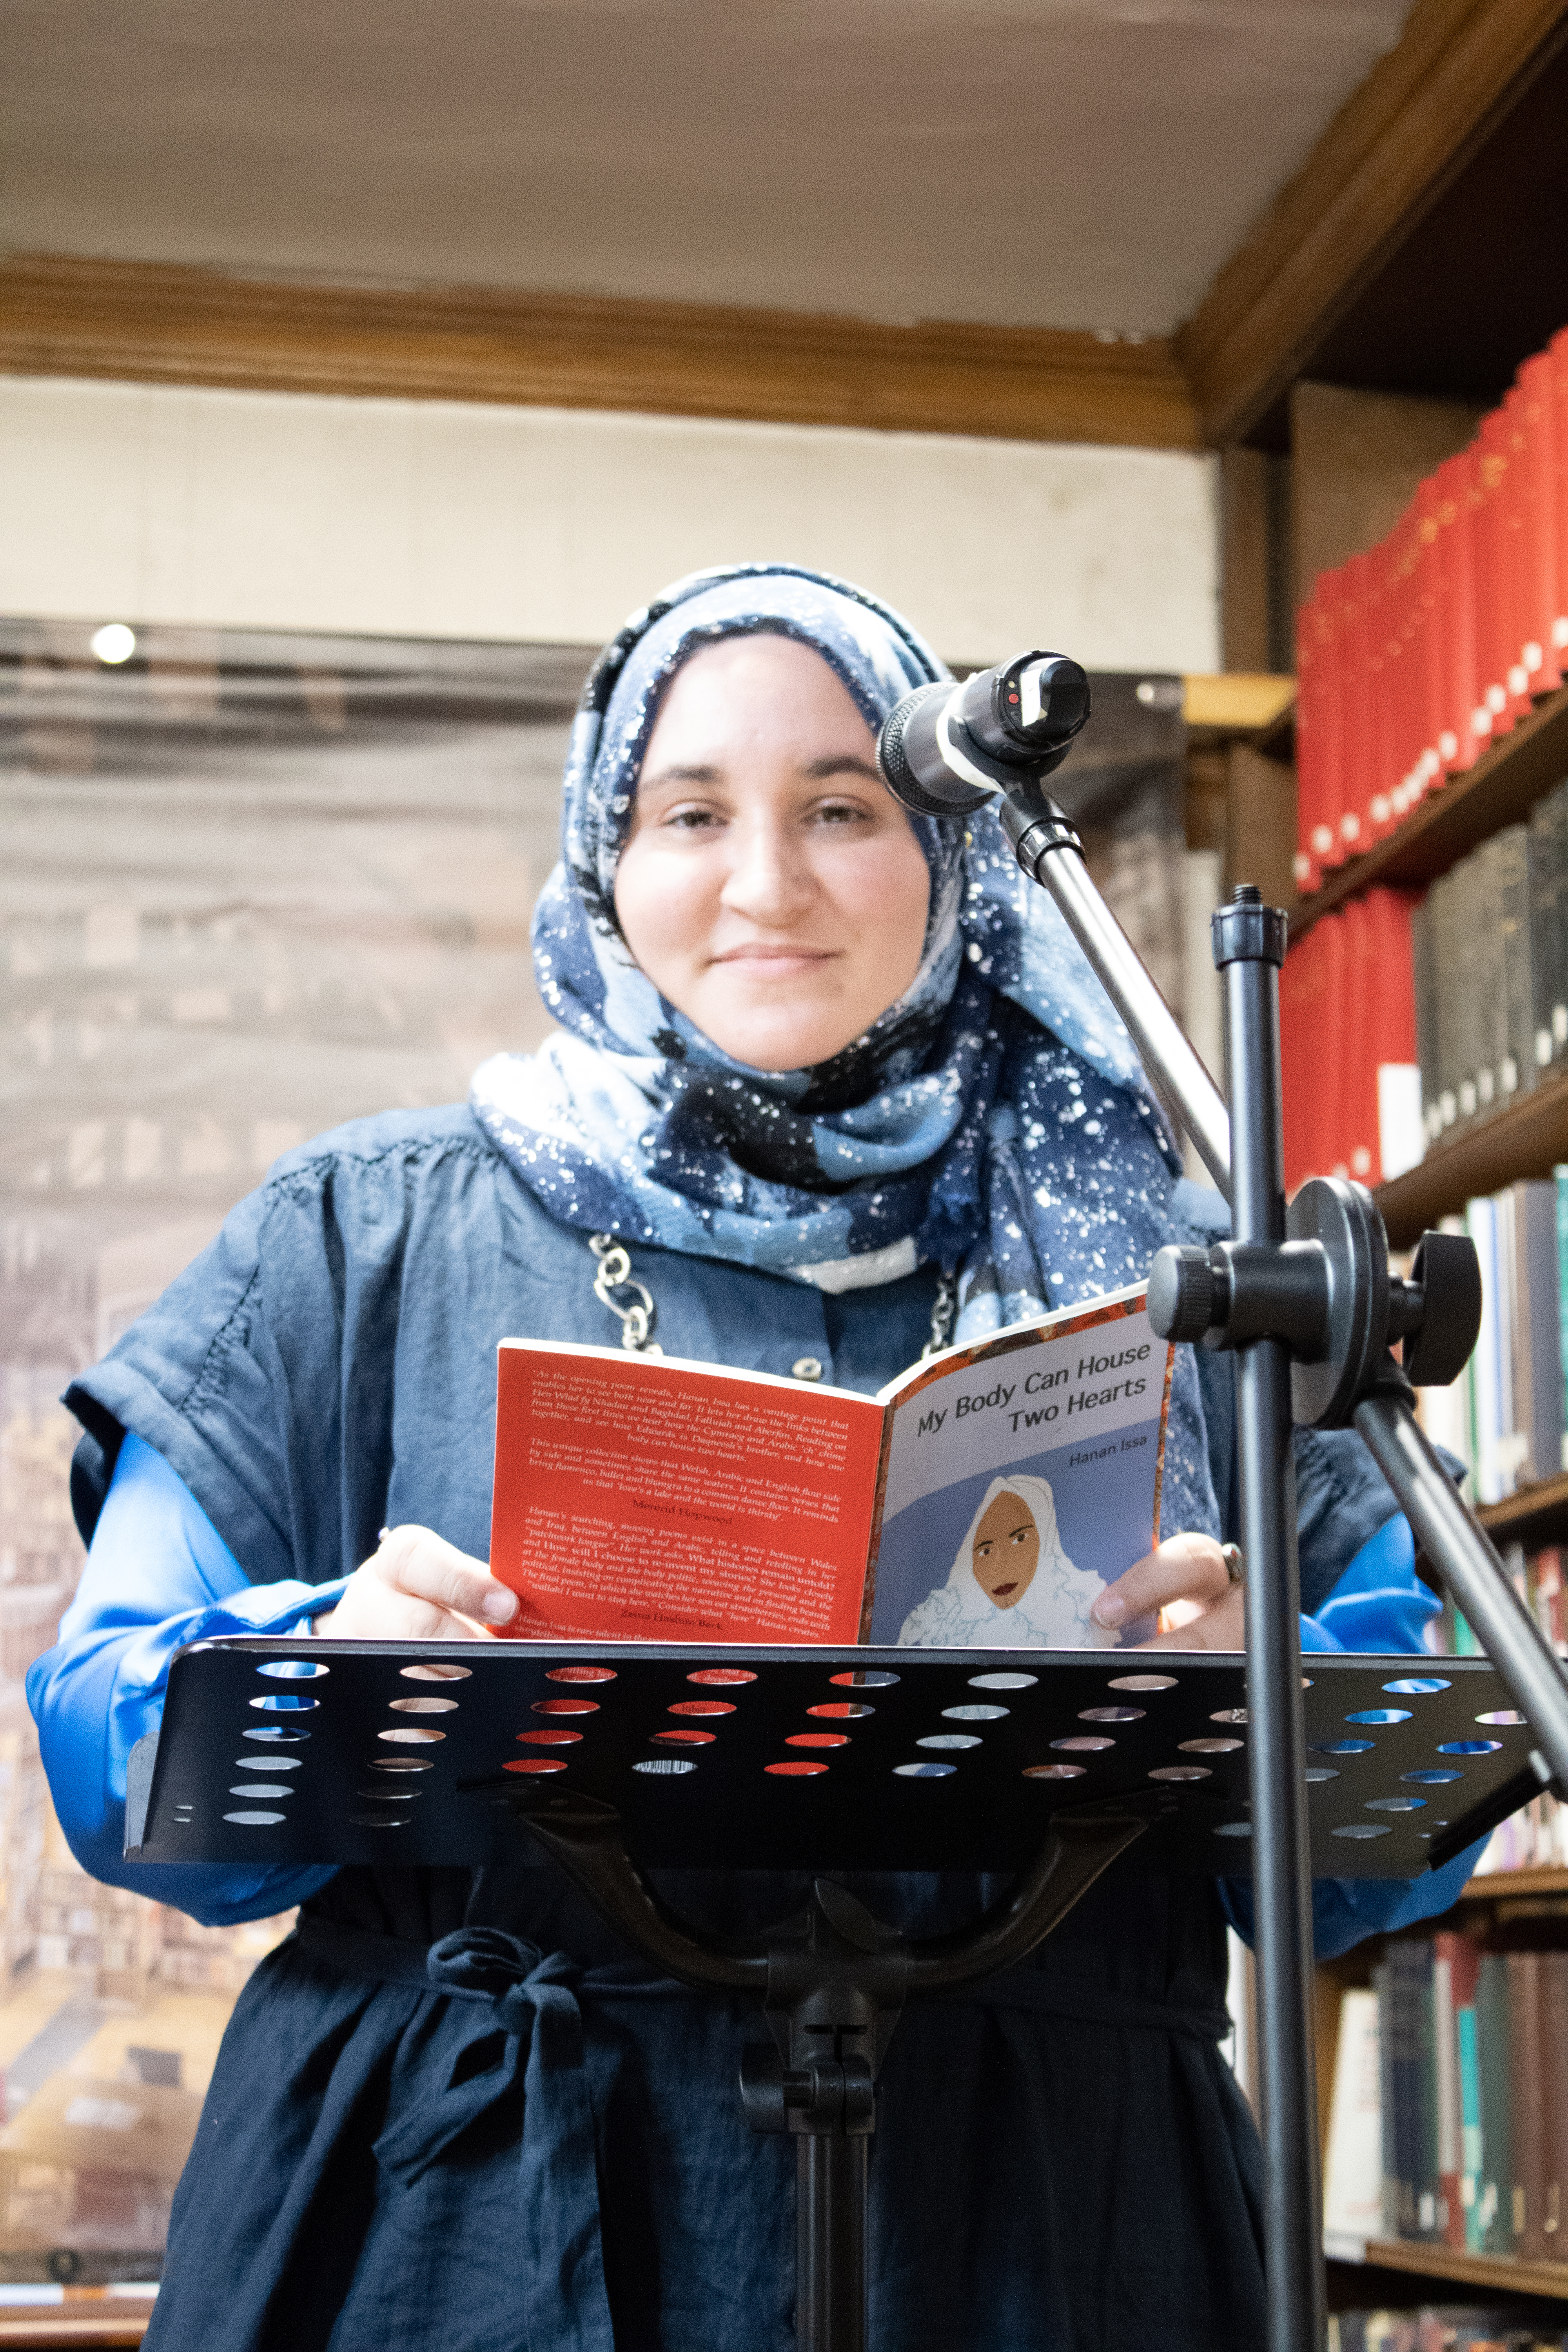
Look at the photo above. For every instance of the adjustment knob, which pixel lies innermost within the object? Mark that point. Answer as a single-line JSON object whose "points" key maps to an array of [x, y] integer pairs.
{"points": [[1182, 1293]]}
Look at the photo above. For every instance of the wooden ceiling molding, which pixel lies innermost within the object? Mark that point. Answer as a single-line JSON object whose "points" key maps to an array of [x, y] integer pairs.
{"points": [[1395, 144], [166, 324]]}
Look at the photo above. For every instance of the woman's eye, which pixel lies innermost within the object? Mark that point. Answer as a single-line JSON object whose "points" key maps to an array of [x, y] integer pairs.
{"points": [[840, 812], [690, 820], [983, 1551]]}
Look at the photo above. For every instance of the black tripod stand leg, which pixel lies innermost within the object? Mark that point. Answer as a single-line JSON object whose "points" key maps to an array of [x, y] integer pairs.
{"points": [[830, 2244], [1249, 947], [1465, 1558]]}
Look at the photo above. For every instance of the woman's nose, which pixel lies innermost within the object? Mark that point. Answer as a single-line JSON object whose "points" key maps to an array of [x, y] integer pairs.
{"points": [[769, 879]]}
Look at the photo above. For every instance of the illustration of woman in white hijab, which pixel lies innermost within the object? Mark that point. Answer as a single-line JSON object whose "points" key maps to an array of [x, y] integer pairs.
{"points": [[1012, 1585]]}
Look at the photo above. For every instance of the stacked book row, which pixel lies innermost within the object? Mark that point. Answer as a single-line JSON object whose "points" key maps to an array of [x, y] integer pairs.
{"points": [[1348, 1043], [1489, 956], [1449, 2118], [1504, 1416], [1416, 657]]}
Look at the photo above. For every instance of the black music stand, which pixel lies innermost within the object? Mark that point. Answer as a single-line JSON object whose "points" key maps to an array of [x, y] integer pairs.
{"points": [[618, 1758]]}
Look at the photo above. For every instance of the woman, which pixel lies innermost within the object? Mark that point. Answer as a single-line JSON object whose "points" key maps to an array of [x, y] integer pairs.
{"points": [[840, 1084], [1011, 1583]]}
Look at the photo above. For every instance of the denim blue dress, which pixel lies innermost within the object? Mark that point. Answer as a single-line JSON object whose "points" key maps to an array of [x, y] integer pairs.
{"points": [[451, 2111]]}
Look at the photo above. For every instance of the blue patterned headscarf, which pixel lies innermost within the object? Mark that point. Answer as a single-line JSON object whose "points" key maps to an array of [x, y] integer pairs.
{"points": [[994, 1121]]}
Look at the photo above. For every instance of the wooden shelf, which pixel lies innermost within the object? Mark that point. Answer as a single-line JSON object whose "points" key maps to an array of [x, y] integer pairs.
{"points": [[1502, 2273], [1504, 784], [1535, 1515], [1527, 1137], [1495, 1884]]}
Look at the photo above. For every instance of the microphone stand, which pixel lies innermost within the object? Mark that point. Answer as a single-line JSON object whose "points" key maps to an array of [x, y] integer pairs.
{"points": [[1305, 1298]]}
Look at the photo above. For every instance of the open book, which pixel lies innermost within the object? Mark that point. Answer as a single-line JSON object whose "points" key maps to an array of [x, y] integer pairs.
{"points": [[985, 1496]]}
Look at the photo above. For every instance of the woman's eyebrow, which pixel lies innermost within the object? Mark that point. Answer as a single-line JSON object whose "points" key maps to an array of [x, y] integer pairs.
{"points": [[682, 772], [841, 763]]}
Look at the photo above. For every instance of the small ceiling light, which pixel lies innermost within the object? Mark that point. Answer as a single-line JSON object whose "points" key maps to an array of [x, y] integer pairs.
{"points": [[113, 644]]}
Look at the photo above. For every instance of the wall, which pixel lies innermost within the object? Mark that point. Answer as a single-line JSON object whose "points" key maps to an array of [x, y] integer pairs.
{"points": [[436, 518]]}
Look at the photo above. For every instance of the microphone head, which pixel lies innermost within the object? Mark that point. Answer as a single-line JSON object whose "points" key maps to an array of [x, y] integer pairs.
{"points": [[913, 766]]}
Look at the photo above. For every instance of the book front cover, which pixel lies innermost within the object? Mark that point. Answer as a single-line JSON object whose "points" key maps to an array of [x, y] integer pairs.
{"points": [[645, 1500], [1020, 1483]]}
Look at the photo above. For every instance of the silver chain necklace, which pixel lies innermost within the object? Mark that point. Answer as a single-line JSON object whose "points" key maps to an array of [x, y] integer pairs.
{"points": [[638, 1320]]}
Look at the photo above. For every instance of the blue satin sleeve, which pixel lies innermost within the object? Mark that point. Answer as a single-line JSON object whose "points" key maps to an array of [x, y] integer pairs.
{"points": [[1379, 1604], [158, 1574]]}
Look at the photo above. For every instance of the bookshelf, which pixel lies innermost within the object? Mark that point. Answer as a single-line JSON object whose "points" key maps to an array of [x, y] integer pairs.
{"points": [[1503, 786], [1527, 1137], [1499, 2273]]}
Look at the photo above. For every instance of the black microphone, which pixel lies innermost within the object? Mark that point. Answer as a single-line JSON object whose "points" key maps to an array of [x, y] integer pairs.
{"points": [[946, 749]]}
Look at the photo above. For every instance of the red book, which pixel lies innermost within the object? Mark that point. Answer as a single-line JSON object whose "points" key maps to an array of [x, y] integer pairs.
{"points": [[1301, 1029], [1557, 352], [1329, 1149], [1515, 545], [1463, 739], [1494, 648], [1454, 1962], [1463, 1960], [1352, 1049], [1355, 786], [1405, 755], [1542, 658], [1389, 1006], [1312, 652], [1428, 643]]}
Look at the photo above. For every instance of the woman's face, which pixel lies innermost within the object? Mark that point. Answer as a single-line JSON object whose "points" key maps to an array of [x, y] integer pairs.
{"points": [[1006, 1552], [771, 886]]}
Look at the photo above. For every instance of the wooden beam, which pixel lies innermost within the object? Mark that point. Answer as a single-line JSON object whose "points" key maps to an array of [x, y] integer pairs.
{"points": [[1387, 154], [163, 324]]}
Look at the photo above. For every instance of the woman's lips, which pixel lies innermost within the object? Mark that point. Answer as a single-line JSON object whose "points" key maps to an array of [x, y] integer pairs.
{"points": [[1000, 1591]]}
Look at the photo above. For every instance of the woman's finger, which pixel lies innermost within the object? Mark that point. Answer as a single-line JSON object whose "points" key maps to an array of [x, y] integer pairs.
{"points": [[1223, 1627], [1184, 1567], [423, 1565]]}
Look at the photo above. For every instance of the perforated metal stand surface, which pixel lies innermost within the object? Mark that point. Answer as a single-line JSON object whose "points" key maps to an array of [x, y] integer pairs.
{"points": [[615, 1759]]}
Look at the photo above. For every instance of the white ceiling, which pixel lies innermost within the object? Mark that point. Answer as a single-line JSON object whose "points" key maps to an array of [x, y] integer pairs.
{"points": [[1083, 163]]}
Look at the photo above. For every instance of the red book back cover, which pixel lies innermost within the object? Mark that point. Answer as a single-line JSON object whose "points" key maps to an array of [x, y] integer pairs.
{"points": [[644, 1499], [1542, 658]]}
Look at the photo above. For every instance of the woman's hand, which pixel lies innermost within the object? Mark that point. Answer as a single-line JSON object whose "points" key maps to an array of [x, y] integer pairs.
{"points": [[419, 1588], [1184, 1567]]}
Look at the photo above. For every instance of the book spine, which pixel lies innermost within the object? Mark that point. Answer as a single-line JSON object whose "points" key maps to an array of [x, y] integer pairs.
{"points": [[1425, 2171], [1542, 659], [1425, 979], [1517, 1068], [1541, 863], [1497, 2133], [1554, 2049], [1446, 2080], [1560, 1196], [1468, 2043], [1538, 1310], [1527, 2108], [1382, 1985]]}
